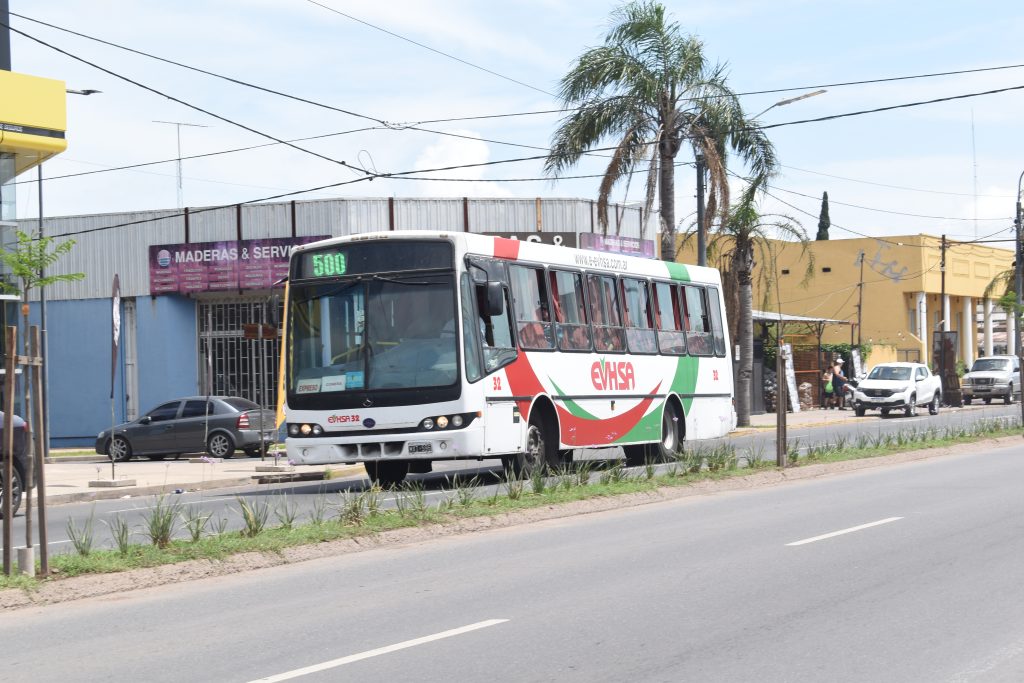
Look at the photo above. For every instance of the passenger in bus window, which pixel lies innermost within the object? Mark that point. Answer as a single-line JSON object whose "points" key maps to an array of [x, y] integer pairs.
{"points": [[536, 334]]}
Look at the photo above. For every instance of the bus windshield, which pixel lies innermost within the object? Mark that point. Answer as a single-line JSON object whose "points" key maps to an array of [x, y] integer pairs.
{"points": [[395, 332]]}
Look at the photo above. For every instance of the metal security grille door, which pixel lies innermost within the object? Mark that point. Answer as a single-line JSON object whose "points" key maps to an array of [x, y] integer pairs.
{"points": [[230, 364]]}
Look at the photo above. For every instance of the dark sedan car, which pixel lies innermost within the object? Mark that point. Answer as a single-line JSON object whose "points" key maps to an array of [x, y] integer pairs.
{"points": [[216, 424], [21, 456]]}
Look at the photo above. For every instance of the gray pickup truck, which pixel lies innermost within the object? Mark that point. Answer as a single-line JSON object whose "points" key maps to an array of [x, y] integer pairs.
{"points": [[992, 377]]}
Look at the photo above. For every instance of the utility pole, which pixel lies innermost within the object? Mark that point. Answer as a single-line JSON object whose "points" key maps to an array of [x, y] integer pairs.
{"points": [[860, 300], [1019, 285], [178, 125], [702, 249], [942, 325]]}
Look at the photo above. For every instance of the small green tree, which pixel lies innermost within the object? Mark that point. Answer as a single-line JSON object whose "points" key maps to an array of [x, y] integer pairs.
{"points": [[27, 262], [823, 220]]}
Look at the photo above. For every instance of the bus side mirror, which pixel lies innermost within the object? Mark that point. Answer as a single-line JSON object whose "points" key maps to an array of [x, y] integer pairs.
{"points": [[495, 299], [274, 305]]}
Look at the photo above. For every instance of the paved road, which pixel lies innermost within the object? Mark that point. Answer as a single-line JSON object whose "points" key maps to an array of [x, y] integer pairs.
{"points": [[906, 573], [222, 505]]}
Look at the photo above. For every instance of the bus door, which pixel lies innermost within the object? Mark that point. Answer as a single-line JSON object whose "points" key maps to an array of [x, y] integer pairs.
{"points": [[505, 427]]}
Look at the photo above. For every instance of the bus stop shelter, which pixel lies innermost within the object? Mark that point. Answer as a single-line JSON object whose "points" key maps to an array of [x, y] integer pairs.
{"points": [[806, 369]]}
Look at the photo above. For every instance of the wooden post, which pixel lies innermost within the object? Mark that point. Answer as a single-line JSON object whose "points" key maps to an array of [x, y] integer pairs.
{"points": [[781, 398], [11, 337], [32, 352], [42, 438]]}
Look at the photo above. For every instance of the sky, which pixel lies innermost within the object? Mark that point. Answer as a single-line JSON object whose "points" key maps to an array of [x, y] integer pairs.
{"points": [[945, 168]]}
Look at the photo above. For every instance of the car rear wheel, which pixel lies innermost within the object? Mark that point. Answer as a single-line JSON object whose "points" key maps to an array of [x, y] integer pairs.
{"points": [[1009, 395], [933, 407], [15, 494], [220, 445], [120, 450]]}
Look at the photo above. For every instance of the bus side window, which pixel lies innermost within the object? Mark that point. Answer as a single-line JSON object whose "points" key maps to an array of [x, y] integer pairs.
{"points": [[532, 315], [698, 329], [636, 303], [717, 330], [495, 332], [605, 318], [570, 315], [671, 339]]}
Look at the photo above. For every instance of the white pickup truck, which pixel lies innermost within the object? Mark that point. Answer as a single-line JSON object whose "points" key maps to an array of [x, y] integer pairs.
{"points": [[898, 386]]}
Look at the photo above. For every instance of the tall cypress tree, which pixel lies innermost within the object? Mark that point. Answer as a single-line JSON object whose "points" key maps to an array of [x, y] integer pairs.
{"points": [[823, 221]]}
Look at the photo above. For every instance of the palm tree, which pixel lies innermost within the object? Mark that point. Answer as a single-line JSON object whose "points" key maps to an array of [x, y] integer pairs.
{"points": [[651, 90], [743, 239]]}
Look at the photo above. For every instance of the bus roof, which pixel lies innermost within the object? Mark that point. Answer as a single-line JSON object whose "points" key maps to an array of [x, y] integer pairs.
{"points": [[537, 252]]}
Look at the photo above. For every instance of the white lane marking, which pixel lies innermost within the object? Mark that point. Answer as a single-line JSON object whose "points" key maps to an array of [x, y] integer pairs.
{"points": [[151, 507], [845, 531], [379, 651]]}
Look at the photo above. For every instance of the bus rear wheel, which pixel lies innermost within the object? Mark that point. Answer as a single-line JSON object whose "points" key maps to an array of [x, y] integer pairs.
{"points": [[666, 449], [387, 473]]}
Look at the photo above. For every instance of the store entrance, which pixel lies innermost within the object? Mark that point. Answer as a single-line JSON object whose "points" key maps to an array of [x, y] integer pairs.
{"points": [[230, 364]]}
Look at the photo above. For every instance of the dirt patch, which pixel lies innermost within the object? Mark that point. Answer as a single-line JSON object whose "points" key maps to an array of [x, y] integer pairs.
{"points": [[65, 589]]}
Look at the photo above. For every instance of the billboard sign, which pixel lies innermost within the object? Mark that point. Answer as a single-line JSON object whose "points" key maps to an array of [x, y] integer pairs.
{"points": [[628, 246], [559, 239], [219, 266]]}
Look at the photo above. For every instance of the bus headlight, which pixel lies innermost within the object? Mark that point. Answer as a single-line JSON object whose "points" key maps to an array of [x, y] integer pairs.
{"points": [[457, 421], [428, 424], [442, 422], [317, 430]]}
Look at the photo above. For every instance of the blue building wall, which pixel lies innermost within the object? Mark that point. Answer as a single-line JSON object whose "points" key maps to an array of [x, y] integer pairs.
{"points": [[79, 362]]}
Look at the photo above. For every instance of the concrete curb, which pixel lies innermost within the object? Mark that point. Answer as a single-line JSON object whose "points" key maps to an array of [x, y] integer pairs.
{"points": [[255, 478]]}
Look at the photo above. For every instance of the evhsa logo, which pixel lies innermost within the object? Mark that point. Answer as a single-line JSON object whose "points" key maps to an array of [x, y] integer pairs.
{"points": [[342, 419], [612, 375]]}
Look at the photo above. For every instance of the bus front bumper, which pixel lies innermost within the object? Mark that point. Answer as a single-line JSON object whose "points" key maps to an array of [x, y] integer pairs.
{"points": [[467, 443]]}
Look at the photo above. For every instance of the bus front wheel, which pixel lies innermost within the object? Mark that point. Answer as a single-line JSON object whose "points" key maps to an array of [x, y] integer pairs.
{"points": [[387, 473], [541, 450]]}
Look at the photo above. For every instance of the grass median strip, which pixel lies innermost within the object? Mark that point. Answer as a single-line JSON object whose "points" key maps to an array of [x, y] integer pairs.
{"points": [[354, 514]]}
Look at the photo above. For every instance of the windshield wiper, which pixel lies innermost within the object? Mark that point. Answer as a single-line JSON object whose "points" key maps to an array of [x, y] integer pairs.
{"points": [[394, 281]]}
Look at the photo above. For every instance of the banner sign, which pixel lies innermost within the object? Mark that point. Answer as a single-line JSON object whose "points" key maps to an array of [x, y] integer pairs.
{"points": [[559, 239], [115, 319], [628, 246], [217, 266]]}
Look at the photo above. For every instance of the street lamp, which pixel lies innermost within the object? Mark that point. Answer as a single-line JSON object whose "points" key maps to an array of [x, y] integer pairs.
{"points": [[791, 100], [702, 255], [43, 340]]}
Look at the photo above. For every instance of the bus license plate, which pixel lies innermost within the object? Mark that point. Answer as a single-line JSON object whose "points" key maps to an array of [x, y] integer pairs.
{"points": [[416, 448]]}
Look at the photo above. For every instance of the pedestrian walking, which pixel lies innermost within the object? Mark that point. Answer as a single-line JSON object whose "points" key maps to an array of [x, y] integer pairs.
{"points": [[828, 388], [839, 384]]}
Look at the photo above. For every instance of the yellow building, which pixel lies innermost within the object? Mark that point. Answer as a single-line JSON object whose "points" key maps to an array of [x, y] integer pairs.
{"points": [[33, 121], [899, 280]]}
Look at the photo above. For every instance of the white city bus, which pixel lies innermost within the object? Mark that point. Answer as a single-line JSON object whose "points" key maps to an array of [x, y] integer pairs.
{"points": [[407, 347]]}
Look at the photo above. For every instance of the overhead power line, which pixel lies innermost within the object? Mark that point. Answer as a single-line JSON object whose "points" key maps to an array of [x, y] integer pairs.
{"points": [[182, 102], [892, 107], [895, 213], [896, 187], [427, 47]]}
